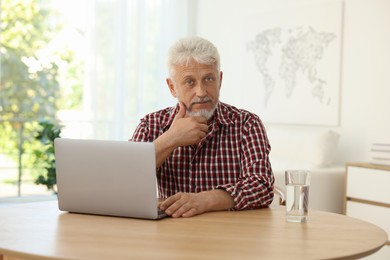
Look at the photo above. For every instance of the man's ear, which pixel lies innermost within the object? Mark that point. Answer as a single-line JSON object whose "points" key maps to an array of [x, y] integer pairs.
{"points": [[171, 87]]}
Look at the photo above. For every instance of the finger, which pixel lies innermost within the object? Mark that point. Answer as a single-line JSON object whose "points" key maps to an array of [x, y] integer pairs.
{"points": [[181, 210], [200, 119], [201, 130], [179, 206], [159, 202], [182, 110], [204, 128], [176, 208], [190, 213], [167, 203], [172, 203]]}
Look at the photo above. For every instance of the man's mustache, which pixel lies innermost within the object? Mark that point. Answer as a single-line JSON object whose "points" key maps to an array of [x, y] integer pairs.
{"points": [[198, 100]]}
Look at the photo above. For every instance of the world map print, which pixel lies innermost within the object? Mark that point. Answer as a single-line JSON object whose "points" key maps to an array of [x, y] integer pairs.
{"points": [[290, 63], [283, 54]]}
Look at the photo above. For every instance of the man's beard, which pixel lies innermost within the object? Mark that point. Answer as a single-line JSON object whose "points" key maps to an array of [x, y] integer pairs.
{"points": [[203, 112]]}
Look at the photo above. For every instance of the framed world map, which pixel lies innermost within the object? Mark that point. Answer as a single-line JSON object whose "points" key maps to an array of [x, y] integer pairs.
{"points": [[292, 63]]}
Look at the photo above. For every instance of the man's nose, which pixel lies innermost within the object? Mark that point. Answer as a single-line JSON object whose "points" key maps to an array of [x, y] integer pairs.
{"points": [[201, 90]]}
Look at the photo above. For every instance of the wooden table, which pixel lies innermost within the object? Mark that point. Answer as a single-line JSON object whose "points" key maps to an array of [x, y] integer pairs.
{"points": [[40, 231]]}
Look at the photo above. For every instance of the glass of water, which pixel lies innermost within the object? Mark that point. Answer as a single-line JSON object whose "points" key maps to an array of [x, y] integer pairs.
{"points": [[297, 195]]}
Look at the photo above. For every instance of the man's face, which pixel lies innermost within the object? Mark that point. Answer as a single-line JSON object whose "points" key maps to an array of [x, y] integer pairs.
{"points": [[197, 86]]}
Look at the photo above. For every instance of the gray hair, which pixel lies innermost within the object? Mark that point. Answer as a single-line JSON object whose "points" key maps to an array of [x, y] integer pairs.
{"points": [[192, 49]]}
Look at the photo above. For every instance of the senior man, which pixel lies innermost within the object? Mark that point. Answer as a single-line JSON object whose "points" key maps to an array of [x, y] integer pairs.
{"points": [[209, 155]]}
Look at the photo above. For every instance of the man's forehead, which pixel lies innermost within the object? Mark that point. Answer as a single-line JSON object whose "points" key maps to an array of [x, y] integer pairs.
{"points": [[196, 68]]}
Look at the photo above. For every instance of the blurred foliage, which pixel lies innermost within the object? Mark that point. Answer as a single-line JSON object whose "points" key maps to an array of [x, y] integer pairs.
{"points": [[28, 85], [36, 79], [45, 159]]}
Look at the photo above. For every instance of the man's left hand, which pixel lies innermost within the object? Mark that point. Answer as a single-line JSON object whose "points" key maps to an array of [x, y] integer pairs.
{"points": [[191, 204], [184, 205]]}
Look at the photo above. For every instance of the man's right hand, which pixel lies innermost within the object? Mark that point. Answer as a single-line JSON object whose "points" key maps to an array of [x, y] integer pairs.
{"points": [[187, 130], [184, 131]]}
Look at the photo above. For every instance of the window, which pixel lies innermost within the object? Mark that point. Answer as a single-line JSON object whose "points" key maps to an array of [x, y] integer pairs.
{"points": [[125, 49], [108, 61]]}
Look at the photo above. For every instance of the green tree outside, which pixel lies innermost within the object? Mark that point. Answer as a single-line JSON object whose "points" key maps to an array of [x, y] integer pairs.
{"points": [[33, 83]]}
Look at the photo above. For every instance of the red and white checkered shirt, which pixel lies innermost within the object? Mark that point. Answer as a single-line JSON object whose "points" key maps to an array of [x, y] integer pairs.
{"points": [[233, 156]]}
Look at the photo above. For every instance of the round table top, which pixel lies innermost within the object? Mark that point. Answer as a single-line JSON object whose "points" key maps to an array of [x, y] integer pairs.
{"points": [[39, 230]]}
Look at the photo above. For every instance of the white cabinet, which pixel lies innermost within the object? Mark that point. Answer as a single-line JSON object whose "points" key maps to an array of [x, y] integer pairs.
{"points": [[368, 198]]}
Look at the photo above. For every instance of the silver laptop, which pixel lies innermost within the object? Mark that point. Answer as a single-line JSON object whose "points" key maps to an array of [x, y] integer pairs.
{"points": [[116, 178]]}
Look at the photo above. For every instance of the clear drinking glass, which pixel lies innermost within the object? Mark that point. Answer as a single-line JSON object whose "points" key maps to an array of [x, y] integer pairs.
{"points": [[297, 195]]}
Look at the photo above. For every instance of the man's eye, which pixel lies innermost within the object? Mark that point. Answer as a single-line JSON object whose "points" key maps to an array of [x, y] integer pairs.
{"points": [[209, 79], [190, 82]]}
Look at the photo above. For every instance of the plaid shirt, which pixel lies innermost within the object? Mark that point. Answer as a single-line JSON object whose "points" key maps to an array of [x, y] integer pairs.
{"points": [[233, 156]]}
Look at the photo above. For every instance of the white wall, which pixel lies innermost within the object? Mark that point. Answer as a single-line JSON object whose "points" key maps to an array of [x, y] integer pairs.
{"points": [[365, 78]]}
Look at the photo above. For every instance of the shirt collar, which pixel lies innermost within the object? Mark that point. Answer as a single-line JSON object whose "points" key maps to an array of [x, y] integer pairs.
{"points": [[172, 111], [222, 115]]}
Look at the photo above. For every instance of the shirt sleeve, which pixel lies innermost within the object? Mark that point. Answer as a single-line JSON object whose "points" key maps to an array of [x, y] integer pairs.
{"points": [[141, 133], [254, 186], [152, 126]]}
